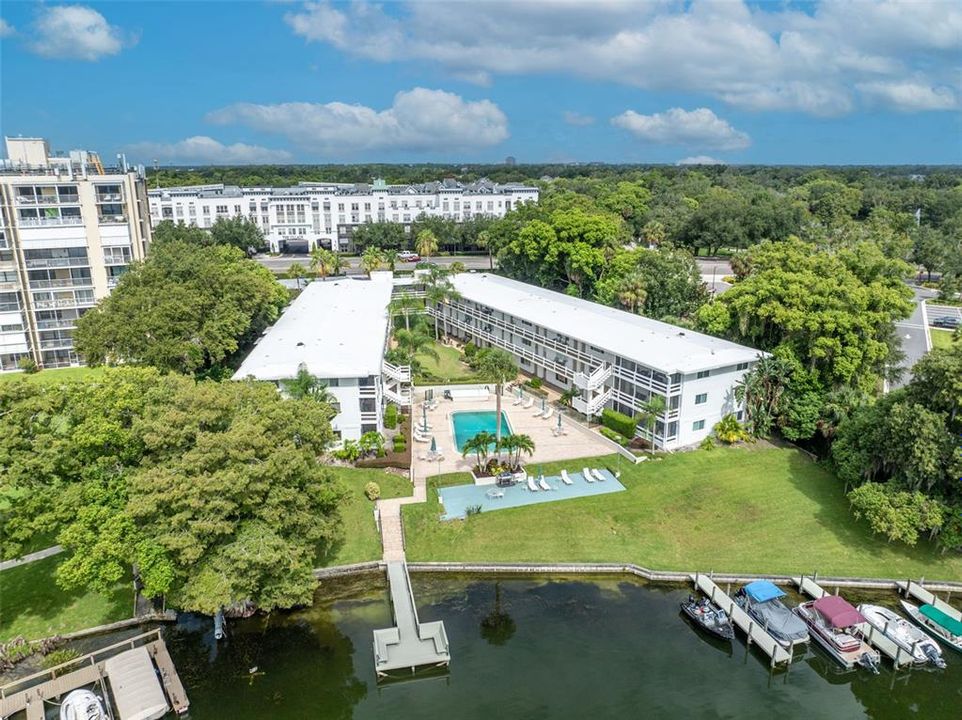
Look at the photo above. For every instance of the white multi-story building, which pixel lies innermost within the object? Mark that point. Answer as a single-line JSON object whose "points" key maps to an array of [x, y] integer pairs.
{"points": [[337, 330], [308, 215], [68, 229], [615, 359]]}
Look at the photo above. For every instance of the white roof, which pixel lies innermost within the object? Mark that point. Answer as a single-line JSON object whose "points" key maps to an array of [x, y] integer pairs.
{"points": [[136, 689], [336, 328], [658, 345]]}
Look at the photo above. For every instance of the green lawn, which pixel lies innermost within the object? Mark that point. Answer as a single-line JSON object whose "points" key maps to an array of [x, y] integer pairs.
{"points": [[32, 605], [757, 509], [55, 375], [941, 338], [361, 541], [447, 368]]}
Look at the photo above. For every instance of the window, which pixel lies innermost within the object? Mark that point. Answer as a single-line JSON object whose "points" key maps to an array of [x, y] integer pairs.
{"points": [[698, 425], [742, 366], [703, 374], [701, 398]]}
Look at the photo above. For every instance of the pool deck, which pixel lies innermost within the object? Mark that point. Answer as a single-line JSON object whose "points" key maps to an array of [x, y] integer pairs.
{"points": [[578, 443]]}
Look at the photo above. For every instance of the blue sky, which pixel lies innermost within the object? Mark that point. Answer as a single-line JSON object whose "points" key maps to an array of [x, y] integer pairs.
{"points": [[663, 81]]}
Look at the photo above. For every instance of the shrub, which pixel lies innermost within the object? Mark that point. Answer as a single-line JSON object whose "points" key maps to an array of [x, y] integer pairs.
{"points": [[708, 443], [612, 435], [535, 383], [350, 452], [472, 510], [372, 490], [390, 416], [896, 513], [729, 430], [400, 444], [28, 365], [619, 422], [59, 657], [470, 349]]}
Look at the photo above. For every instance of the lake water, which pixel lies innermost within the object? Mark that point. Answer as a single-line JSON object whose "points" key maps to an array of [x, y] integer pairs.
{"points": [[531, 648]]}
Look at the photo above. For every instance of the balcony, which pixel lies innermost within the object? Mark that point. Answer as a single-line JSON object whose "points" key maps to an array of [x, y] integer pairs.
{"points": [[595, 380], [57, 262], [401, 373], [398, 397], [9, 286], [72, 303], [61, 283], [50, 222], [56, 324], [113, 219], [592, 406], [56, 344], [109, 197]]}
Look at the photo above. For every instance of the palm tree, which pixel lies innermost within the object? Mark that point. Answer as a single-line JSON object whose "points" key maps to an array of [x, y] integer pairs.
{"points": [[654, 233], [632, 292], [406, 307], [457, 267], [483, 241], [760, 389], [507, 445], [372, 259], [325, 262], [438, 289], [304, 385], [568, 395], [500, 366], [480, 445], [426, 244], [390, 259], [522, 444], [297, 272], [651, 410], [412, 343]]}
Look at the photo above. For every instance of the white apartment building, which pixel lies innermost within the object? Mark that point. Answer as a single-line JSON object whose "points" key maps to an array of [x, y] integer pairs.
{"points": [[338, 330], [615, 359], [308, 215], [68, 229]]}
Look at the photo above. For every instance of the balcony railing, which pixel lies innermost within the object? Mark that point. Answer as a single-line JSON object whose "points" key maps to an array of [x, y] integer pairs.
{"points": [[61, 283], [399, 398], [51, 221], [76, 302], [401, 373], [56, 324], [58, 343], [109, 197], [112, 219], [9, 286], [57, 262], [595, 380]]}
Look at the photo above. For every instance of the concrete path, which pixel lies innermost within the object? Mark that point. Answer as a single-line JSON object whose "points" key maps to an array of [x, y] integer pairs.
{"points": [[31, 557], [392, 535]]}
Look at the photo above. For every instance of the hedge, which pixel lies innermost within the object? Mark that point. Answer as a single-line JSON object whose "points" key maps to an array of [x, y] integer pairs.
{"points": [[619, 422], [612, 435], [390, 416]]}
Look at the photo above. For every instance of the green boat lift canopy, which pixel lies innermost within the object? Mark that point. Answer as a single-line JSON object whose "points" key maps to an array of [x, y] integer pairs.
{"points": [[940, 618]]}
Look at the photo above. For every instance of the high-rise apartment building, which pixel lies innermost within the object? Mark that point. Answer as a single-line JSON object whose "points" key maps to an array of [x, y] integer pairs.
{"points": [[69, 227]]}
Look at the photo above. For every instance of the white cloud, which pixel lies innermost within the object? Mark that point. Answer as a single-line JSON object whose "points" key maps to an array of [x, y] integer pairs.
{"points": [[759, 58], [76, 32], [577, 119], [700, 160], [205, 150], [909, 96], [691, 128], [419, 119], [6, 29]]}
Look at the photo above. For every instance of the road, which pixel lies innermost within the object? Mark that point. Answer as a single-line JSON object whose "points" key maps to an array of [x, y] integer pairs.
{"points": [[280, 263], [911, 332], [31, 557]]}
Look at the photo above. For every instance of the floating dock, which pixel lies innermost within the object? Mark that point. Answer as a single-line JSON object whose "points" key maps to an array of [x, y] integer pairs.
{"points": [[873, 637], [920, 593], [410, 644], [755, 633], [127, 667]]}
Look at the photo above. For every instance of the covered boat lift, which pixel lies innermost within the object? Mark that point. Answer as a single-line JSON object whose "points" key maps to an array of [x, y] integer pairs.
{"points": [[926, 597]]}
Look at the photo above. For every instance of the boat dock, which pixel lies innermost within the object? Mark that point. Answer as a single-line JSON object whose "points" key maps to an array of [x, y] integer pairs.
{"points": [[920, 593], [410, 643], [873, 637], [755, 633], [128, 668]]}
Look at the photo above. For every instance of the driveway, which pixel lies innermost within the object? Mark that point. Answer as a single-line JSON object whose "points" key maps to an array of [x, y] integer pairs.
{"points": [[911, 332]]}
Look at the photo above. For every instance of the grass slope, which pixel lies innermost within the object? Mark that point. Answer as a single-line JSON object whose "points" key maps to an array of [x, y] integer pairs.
{"points": [[757, 509], [32, 605], [361, 541]]}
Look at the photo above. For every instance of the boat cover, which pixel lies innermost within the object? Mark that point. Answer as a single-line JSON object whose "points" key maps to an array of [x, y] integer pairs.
{"points": [[946, 621], [762, 590], [838, 612]]}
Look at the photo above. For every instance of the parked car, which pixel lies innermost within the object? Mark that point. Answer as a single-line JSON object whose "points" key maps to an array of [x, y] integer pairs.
{"points": [[408, 256], [946, 321]]}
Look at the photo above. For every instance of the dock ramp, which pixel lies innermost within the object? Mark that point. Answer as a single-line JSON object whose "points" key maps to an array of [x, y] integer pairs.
{"points": [[873, 637], [920, 593], [410, 644], [755, 633]]}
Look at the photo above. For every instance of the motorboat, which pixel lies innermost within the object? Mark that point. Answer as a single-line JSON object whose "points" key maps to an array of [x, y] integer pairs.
{"points": [[833, 622], [762, 600], [709, 617], [907, 636], [937, 623], [82, 705]]}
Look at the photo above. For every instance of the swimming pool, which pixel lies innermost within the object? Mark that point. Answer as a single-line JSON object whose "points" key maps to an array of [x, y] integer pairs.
{"points": [[469, 423]]}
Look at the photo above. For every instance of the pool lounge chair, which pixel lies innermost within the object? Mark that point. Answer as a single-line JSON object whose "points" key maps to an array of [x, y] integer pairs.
{"points": [[518, 401], [586, 474], [420, 438], [543, 484], [565, 479], [548, 413], [531, 485], [537, 413], [527, 403], [597, 473]]}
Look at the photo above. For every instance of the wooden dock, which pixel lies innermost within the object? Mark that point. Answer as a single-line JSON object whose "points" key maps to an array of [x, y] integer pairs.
{"points": [[873, 637], [410, 644], [920, 593], [755, 633], [29, 693]]}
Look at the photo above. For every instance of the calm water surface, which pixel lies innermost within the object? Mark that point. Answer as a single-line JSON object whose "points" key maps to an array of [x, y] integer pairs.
{"points": [[531, 648]]}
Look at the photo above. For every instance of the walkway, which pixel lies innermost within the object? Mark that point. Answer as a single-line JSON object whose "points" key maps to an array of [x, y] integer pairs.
{"points": [[31, 557]]}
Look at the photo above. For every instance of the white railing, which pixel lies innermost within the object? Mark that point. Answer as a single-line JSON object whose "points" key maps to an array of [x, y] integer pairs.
{"points": [[401, 373], [398, 397], [61, 283], [76, 302], [595, 380], [55, 324], [592, 406], [45, 222], [57, 262]]}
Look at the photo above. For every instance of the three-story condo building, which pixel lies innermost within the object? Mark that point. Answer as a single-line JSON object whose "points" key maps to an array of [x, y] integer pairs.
{"points": [[312, 214], [68, 229], [614, 359]]}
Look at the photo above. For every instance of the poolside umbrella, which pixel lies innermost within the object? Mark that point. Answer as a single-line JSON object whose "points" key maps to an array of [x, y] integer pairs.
{"points": [[559, 422], [434, 446], [424, 416], [543, 404]]}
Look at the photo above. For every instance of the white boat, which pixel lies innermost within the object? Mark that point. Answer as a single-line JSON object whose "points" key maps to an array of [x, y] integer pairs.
{"points": [[82, 705], [936, 623], [907, 636], [833, 624]]}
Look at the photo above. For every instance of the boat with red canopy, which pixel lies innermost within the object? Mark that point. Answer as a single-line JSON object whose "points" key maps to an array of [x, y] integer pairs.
{"points": [[834, 624]]}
